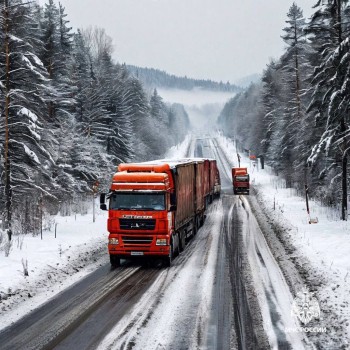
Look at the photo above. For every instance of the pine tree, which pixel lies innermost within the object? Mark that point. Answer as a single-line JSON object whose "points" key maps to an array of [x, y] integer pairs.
{"points": [[327, 27], [117, 138], [294, 69], [136, 109], [27, 161], [157, 105], [272, 109], [179, 123]]}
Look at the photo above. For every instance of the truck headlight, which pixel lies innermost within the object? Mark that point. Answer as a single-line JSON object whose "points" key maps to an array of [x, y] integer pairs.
{"points": [[114, 241], [161, 241]]}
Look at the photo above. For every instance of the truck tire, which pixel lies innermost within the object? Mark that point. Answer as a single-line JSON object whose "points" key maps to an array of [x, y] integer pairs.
{"points": [[168, 260], [197, 225], [115, 261], [182, 240]]}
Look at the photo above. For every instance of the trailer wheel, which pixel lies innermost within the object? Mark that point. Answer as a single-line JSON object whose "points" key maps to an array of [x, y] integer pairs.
{"points": [[168, 260], [115, 261]]}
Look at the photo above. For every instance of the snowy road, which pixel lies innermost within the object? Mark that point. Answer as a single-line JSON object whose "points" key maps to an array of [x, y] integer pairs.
{"points": [[225, 291], [46, 326]]}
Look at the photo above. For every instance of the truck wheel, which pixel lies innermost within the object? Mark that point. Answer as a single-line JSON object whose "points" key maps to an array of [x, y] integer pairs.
{"points": [[115, 261], [176, 243], [197, 225], [168, 260], [182, 241]]}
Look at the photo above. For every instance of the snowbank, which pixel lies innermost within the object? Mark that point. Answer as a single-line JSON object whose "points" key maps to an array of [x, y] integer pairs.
{"points": [[52, 263], [319, 250]]}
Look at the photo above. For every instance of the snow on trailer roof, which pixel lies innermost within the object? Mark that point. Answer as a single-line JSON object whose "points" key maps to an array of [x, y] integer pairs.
{"points": [[158, 165], [202, 159], [174, 162], [171, 162]]}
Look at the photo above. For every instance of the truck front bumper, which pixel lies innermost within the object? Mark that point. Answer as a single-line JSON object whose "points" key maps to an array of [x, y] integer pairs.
{"points": [[159, 251]]}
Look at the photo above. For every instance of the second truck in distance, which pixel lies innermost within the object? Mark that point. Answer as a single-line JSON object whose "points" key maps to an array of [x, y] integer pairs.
{"points": [[240, 180]]}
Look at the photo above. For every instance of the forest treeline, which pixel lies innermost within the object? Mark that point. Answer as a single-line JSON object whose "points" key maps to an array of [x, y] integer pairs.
{"points": [[69, 113], [152, 78], [297, 117]]}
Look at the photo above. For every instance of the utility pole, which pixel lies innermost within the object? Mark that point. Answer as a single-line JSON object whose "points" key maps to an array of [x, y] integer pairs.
{"points": [[41, 216], [93, 207], [344, 204], [94, 191], [307, 202], [239, 160]]}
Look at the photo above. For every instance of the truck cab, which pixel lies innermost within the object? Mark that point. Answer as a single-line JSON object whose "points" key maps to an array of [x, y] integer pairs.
{"points": [[140, 215], [240, 181]]}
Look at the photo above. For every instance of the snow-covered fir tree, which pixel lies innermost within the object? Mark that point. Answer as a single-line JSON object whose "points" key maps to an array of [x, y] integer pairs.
{"points": [[28, 161]]}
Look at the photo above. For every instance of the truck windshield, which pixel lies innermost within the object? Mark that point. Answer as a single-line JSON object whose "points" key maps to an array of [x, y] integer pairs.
{"points": [[137, 201], [242, 178]]}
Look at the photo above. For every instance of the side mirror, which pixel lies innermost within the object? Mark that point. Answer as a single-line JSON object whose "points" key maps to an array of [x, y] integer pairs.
{"points": [[173, 207], [103, 205]]}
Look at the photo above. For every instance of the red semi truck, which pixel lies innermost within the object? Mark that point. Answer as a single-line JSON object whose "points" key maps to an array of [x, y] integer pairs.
{"points": [[154, 207], [240, 180]]}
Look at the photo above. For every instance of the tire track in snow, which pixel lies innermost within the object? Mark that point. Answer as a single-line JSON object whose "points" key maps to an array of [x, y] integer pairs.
{"points": [[274, 296], [183, 297], [47, 326]]}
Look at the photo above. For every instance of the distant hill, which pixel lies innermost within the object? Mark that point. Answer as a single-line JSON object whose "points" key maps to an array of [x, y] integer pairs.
{"points": [[155, 78]]}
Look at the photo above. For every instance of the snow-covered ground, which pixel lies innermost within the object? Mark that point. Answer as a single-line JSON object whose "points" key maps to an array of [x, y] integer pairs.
{"points": [[320, 250], [52, 263]]}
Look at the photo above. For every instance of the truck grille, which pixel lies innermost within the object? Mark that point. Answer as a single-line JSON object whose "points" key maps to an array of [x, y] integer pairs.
{"points": [[137, 224], [130, 240]]}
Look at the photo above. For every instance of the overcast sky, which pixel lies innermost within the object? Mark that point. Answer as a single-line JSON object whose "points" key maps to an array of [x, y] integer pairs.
{"points": [[210, 39]]}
